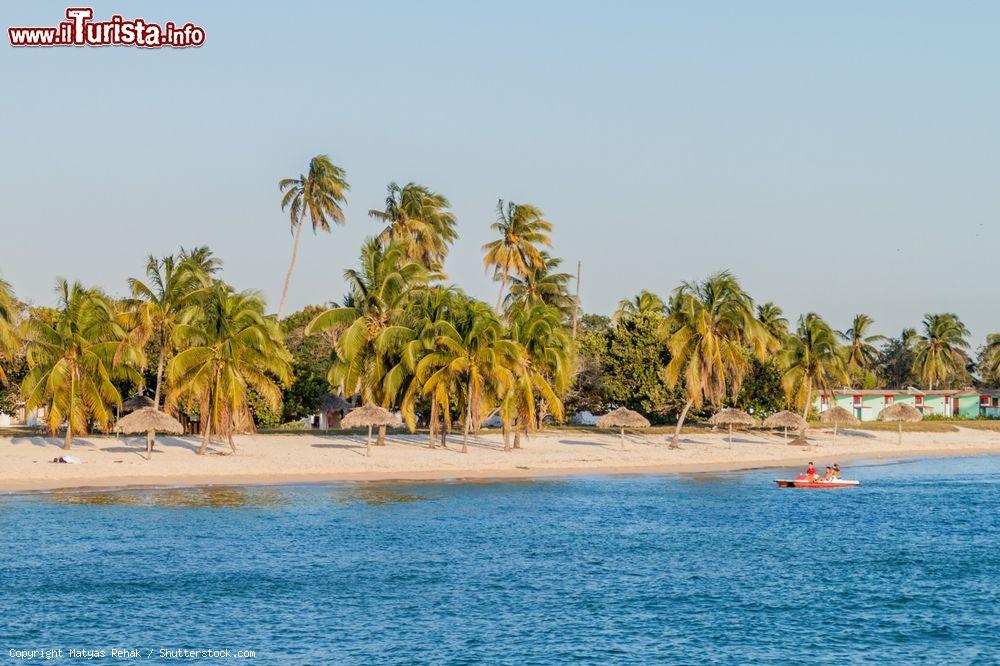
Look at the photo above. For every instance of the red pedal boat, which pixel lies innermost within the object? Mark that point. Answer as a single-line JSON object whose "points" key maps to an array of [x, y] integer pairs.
{"points": [[805, 481]]}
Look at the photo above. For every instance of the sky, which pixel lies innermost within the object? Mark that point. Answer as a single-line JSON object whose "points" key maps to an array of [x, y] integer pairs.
{"points": [[837, 157]]}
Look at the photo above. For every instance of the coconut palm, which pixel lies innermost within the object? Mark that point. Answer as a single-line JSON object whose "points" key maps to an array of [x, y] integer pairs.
{"points": [[542, 372], [71, 361], [861, 351], [9, 338], [473, 359], [371, 326], [158, 305], [541, 285], [646, 302], [317, 195], [420, 220], [941, 352], [812, 360], [773, 319], [202, 260], [713, 335], [522, 230], [231, 349], [989, 358]]}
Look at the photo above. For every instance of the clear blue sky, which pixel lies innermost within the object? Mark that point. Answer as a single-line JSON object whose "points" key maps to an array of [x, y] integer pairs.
{"points": [[840, 158]]}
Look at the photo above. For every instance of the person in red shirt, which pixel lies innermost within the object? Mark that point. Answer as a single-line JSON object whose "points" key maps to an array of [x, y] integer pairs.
{"points": [[811, 471]]}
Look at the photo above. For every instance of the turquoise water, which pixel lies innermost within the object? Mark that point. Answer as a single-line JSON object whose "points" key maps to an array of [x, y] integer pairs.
{"points": [[674, 568]]}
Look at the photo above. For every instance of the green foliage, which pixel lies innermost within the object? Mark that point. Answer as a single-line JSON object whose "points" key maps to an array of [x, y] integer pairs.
{"points": [[264, 416], [761, 392], [634, 356], [311, 358]]}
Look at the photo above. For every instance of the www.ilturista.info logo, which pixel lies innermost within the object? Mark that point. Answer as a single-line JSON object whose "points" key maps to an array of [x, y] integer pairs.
{"points": [[79, 30]]}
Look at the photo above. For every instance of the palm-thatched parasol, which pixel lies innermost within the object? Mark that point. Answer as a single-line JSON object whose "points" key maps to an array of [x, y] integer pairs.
{"points": [[149, 421], [786, 420], [370, 415], [137, 402], [901, 413], [623, 418], [731, 417], [838, 416]]}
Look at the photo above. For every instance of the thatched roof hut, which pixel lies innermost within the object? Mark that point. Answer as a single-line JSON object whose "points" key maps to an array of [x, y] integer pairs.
{"points": [[838, 416], [734, 418], [371, 415], [335, 403], [786, 420], [622, 418], [149, 421], [137, 402], [901, 413]]}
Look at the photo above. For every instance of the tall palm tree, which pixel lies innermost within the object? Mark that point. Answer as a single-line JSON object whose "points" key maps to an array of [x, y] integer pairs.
{"points": [[317, 195], [158, 305], [645, 302], [773, 319], [471, 357], [231, 348], [542, 372], [541, 285], [420, 220], [71, 361], [812, 360], [370, 327], [861, 351], [713, 335], [941, 352], [522, 230], [9, 338]]}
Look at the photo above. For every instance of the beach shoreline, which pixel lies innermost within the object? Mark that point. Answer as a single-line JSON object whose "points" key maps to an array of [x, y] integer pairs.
{"points": [[112, 463]]}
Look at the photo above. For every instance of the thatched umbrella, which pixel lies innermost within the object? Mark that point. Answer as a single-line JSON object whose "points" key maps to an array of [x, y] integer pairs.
{"points": [[731, 417], [901, 413], [149, 421], [137, 402], [786, 420], [370, 415], [838, 416], [623, 418]]}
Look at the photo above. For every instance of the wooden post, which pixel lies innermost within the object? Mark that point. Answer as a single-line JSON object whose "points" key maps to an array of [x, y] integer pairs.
{"points": [[623, 438], [150, 437], [900, 432], [730, 435], [368, 447]]}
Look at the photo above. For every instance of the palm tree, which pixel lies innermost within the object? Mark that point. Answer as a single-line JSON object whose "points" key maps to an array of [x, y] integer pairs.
{"points": [[861, 351], [9, 338], [646, 302], [773, 319], [713, 334], [71, 361], [420, 220], [371, 325], [812, 359], [473, 358], [202, 261], [541, 285], [317, 195], [522, 230], [989, 359], [231, 348], [159, 304], [941, 353], [542, 372]]}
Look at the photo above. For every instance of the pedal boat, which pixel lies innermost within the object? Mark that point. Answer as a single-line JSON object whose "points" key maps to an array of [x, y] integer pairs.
{"points": [[804, 481]]}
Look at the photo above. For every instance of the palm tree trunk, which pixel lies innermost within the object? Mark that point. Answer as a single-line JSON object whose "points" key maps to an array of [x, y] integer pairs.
{"points": [[468, 422], [503, 284], [381, 436], [517, 434], [444, 436], [149, 444], [206, 436], [809, 392], [159, 377], [232, 444], [68, 441], [680, 424], [291, 267], [433, 424], [506, 436]]}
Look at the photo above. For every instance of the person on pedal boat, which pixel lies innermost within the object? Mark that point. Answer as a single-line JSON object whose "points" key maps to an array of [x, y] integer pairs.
{"points": [[836, 471], [828, 476], [811, 471]]}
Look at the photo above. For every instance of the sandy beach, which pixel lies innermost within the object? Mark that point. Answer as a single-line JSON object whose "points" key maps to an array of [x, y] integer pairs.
{"points": [[271, 459]]}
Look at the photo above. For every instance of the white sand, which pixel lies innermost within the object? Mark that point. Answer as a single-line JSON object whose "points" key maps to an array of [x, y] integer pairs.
{"points": [[24, 461]]}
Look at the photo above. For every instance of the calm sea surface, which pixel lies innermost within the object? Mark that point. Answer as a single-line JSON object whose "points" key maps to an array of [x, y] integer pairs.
{"points": [[674, 568]]}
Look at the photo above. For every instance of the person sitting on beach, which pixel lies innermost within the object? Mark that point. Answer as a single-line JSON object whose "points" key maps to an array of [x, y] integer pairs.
{"points": [[836, 471], [811, 471]]}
